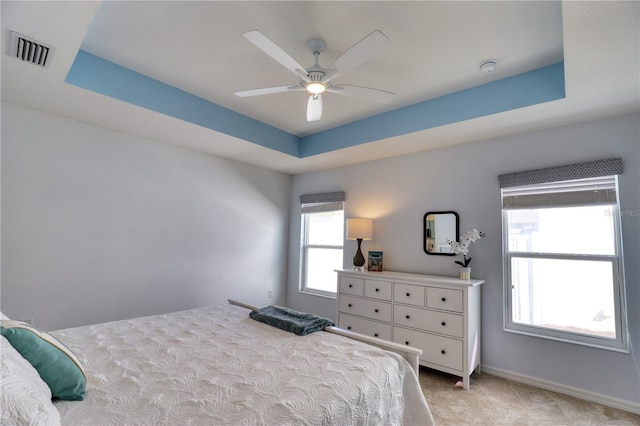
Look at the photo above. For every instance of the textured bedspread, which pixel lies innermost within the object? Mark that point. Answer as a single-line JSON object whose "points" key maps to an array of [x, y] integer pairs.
{"points": [[215, 365]]}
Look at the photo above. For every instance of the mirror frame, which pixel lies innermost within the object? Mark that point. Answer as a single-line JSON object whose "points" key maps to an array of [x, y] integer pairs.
{"points": [[426, 231]]}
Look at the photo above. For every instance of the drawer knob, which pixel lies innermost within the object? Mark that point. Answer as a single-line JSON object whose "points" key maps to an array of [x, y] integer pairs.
{"points": [[375, 334], [377, 289], [406, 343], [350, 285], [443, 352], [444, 323], [349, 305], [407, 316], [349, 328], [408, 294], [444, 299], [375, 310]]}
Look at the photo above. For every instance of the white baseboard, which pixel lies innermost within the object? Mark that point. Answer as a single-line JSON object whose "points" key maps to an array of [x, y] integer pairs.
{"points": [[621, 404]]}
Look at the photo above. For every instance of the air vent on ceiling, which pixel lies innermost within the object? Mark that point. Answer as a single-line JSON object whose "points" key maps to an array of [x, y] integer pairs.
{"points": [[30, 50]]}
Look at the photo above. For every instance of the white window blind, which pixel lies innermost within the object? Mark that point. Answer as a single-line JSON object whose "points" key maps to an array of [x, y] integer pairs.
{"points": [[598, 190]]}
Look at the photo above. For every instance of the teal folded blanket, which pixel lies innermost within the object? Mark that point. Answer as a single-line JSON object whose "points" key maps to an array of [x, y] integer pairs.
{"points": [[287, 319]]}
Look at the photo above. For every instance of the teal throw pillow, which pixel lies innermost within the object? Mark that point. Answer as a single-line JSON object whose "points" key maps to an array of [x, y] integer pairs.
{"points": [[57, 365]]}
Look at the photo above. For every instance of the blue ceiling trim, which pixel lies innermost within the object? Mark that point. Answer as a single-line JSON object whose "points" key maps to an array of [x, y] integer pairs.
{"points": [[530, 88], [99, 75], [534, 87]]}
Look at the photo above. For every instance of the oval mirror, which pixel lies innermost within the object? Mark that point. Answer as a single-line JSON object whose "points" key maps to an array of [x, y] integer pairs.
{"points": [[439, 229]]}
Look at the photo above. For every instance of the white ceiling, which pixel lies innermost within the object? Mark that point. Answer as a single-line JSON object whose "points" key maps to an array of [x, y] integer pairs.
{"points": [[436, 48]]}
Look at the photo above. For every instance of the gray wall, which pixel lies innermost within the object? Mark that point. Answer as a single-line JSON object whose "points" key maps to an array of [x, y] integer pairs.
{"points": [[397, 192], [99, 225]]}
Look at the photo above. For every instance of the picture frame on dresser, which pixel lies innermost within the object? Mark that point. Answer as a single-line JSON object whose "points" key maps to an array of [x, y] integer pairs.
{"points": [[375, 261], [440, 315]]}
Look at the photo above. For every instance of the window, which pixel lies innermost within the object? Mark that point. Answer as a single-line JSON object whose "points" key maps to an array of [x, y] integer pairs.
{"points": [[563, 256], [322, 240]]}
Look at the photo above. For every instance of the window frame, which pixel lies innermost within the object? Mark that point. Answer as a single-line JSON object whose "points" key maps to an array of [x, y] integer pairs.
{"points": [[621, 342], [323, 205]]}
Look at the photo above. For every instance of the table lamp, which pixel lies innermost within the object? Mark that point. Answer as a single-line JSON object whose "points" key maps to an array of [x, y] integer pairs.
{"points": [[359, 229]]}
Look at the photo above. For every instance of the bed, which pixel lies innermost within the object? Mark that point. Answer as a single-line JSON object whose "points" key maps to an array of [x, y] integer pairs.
{"points": [[215, 365]]}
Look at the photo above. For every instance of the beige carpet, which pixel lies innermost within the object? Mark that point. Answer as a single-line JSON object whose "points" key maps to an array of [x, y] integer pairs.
{"points": [[496, 401]]}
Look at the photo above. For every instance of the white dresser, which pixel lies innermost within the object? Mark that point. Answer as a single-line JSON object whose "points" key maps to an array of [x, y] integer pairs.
{"points": [[440, 315]]}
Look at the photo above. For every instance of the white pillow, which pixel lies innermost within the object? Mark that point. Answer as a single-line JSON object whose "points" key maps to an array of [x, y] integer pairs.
{"points": [[3, 316], [24, 397]]}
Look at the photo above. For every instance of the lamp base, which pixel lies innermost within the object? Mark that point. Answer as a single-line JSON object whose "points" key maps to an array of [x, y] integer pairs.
{"points": [[358, 259]]}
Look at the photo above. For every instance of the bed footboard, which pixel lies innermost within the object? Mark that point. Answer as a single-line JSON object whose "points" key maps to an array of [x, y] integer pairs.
{"points": [[409, 353]]}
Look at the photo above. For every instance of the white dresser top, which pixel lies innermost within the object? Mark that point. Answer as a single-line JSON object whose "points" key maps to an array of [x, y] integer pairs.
{"points": [[407, 277]]}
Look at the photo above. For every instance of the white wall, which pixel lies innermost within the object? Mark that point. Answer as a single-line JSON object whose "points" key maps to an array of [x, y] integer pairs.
{"points": [[397, 192], [99, 225]]}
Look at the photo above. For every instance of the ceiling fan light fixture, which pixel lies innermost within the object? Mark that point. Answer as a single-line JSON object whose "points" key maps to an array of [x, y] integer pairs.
{"points": [[315, 88]]}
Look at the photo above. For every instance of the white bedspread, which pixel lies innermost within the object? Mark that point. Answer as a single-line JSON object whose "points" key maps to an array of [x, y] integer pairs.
{"points": [[215, 365]]}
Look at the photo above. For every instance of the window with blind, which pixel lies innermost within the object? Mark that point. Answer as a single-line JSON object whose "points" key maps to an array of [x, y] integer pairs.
{"points": [[563, 254], [322, 241]]}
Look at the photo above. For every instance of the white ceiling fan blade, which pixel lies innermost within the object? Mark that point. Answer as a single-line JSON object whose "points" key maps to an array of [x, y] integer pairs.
{"points": [[360, 52], [267, 91], [328, 76], [270, 48], [366, 93], [314, 108], [303, 75]]}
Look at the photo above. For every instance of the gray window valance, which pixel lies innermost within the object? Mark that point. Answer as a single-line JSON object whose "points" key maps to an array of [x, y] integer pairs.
{"points": [[327, 197], [591, 169], [328, 201]]}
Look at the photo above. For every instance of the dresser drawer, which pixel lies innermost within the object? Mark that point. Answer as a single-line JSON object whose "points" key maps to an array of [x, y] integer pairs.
{"points": [[409, 294], [378, 289], [438, 350], [445, 299], [349, 285], [438, 322], [373, 309], [366, 327]]}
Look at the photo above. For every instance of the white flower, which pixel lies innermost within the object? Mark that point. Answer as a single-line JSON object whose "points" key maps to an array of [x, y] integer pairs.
{"points": [[458, 248], [474, 234], [462, 246]]}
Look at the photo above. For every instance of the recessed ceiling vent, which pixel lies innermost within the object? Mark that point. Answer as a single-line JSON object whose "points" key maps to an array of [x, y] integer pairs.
{"points": [[30, 50]]}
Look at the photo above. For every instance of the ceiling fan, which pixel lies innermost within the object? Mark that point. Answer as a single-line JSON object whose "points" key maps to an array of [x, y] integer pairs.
{"points": [[315, 79]]}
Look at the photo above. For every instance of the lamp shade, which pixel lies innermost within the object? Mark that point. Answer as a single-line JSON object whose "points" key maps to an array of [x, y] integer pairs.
{"points": [[359, 228]]}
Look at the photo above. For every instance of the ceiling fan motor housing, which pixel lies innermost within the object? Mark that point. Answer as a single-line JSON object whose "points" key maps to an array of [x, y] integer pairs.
{"points": [[315, 75], [316, 72]]}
